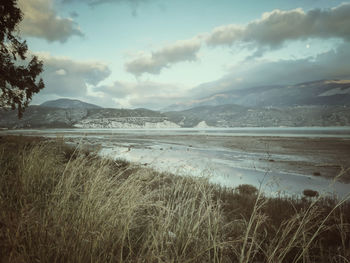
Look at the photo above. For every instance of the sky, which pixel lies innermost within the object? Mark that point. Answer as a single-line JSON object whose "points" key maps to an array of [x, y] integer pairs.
{"points": [[154, 53]]}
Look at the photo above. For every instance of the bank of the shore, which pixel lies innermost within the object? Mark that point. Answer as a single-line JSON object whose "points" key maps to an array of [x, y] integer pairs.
{"points": [[60, 204], [324, 154]]}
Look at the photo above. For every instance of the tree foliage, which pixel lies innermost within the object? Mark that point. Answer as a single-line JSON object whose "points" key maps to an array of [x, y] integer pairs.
{"points": [[18, 74]]}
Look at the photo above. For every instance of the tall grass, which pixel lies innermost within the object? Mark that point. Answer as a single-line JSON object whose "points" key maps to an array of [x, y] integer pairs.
{"points": [[59, 204]]}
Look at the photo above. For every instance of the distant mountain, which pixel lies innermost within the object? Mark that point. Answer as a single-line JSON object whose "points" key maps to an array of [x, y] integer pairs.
{"points": [[319, 103], [49, 117], [210, 114], [214, 116], [240, 116], [69, 104], [323, 92]]}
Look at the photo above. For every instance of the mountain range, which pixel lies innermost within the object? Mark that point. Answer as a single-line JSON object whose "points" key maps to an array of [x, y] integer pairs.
{"points": [[322, 92], [319, 103]]}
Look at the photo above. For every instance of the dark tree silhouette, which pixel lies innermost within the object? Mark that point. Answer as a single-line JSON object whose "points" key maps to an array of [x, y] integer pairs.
{"points": [[18, 74]]}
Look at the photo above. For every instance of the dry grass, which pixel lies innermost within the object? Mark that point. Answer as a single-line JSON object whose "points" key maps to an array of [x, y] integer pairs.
{"points": [[59, 204]]}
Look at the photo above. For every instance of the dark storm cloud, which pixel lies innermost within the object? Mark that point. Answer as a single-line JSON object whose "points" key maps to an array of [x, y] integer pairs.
{"points": [[185, 50], [277, 27], [41, 20]]}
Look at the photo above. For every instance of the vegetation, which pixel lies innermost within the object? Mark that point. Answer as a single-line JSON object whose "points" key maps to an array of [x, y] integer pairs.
{"points": [[59, 204], [316, 174], [310, 193], [17, 74]]}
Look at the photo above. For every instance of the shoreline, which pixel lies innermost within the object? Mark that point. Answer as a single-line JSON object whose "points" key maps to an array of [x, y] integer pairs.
{"points": [[308, 156]]}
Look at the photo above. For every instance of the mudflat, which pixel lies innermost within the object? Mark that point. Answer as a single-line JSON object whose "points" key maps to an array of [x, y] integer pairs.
{"points": [[326, 157]]}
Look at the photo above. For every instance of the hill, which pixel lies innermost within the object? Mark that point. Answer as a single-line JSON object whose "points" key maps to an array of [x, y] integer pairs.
{"points": [[316, 93], [231, 115], [319, 103], [48, 117], [69, 104]]}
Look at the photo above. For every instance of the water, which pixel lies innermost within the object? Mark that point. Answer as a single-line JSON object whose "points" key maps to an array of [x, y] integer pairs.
{"points": [[172, 150], [321, 132], [224, 167]]}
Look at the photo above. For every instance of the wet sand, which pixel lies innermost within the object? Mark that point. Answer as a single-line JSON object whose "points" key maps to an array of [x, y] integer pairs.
{"points": [[323, 157], [326, 157], [315, 156]]}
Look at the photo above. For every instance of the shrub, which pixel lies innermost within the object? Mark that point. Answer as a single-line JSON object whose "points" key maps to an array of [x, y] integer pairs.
{"points": [[246, 189], [310, 193]]}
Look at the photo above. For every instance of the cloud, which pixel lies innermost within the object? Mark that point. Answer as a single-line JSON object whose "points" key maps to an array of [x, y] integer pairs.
{"points": [[334, 64], [97, 2], [74, 14], [41, 20], [61, 72], [271, 31], [69, 78], [65, 77], [146, 94], [276, 27], [133, 3], [183, 50]]}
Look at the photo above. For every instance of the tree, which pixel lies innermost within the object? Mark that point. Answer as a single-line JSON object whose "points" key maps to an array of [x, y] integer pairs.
{"points": [[18, 74]]}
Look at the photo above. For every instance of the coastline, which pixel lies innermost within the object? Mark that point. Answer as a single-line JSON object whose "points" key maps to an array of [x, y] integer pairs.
{"points": [[233, 159]]}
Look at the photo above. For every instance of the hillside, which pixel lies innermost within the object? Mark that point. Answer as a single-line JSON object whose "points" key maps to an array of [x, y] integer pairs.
{"points": [[69, 104], [316, 93], [214, 116], [319, 103], [48, 117], [240, 116]]}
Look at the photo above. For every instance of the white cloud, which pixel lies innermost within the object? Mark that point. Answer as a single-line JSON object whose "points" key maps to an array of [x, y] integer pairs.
{"points": [[183, 50], [334, 64], [271, 31], [134, 4], [65, 77], [70, 78], [41, 20], [97, 2], [145, 94], [60, 72], [276, 27]]}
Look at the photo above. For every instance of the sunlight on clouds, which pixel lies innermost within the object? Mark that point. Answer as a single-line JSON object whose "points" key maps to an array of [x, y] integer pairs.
{"points": [[182, 50], [41, 20], [278, 26], [217, 57]]}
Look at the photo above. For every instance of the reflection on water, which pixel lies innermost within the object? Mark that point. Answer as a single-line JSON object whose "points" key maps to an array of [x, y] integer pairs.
{"points": [[340, 132], [229, 167], [231, 170]]}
